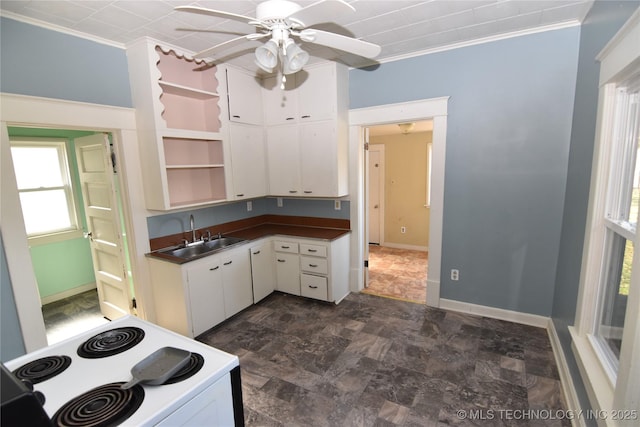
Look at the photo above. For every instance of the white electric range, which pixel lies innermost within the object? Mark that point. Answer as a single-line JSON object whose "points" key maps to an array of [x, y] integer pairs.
{"points": [[80, 379]]}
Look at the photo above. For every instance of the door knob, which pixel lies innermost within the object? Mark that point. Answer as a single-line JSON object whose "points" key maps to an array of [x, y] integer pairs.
{"points": [[88, 235]]}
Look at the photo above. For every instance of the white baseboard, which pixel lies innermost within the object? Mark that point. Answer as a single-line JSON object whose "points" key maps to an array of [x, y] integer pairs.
{"points": [[566, 380], [402, 246], [68, 293], [495, 313]]}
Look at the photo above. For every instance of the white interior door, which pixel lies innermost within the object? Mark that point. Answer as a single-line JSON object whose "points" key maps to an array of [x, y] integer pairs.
{"points": [[376, 197], [103, 224]]}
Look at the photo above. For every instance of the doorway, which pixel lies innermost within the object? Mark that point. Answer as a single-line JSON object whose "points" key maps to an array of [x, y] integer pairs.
{"points": [[69, 265], [360, 120], [398, 222]]}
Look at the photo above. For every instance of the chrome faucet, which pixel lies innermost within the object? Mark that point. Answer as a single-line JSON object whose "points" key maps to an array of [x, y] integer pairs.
{"points": [[193, 230]]}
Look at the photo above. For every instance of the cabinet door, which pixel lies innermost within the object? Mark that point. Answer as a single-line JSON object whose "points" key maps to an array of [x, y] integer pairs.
{"points": [[206, 295], [262, 270], [245, 98], [318, 159], [248, 161], [280, 106], [288, 273], [283, 157], [317, 94], [236, 279]]}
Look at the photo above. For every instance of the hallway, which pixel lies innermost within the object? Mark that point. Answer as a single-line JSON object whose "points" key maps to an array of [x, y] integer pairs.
{"points": [[397, 273]]}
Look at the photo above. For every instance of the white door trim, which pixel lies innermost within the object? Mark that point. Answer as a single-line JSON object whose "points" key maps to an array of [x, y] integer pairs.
{"points": [[436, 109], [20, 110]]}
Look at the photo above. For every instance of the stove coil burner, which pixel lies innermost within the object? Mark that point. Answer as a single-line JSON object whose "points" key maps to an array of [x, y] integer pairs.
{"points": [[195, 363], [106, 405], [42, 369], [110, 342]]}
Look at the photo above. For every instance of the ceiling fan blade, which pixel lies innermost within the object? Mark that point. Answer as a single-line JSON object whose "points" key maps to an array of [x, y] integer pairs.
{"points": [[321, 11], [340, 42], [218, 13], [228, 44]]}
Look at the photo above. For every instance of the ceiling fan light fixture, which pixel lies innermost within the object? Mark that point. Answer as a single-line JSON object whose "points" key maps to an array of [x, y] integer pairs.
{"points": [[294, 58], [267, 55]]}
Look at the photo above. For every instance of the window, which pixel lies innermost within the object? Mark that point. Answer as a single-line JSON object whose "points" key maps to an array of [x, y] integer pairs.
{"points": [[620, 220], [606, 336], [44, 186]]}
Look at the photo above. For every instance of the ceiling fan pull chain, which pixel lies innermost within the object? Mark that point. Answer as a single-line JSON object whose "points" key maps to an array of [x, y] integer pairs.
{"points": [[284, 80]]}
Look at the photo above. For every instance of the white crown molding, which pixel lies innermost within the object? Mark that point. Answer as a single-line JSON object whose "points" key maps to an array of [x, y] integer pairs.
{"points": [[489, 39], [60, 29]]}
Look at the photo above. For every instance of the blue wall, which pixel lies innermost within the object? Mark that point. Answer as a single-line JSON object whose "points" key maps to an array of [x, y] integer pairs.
{"points": [[173, 223], [40, 62], [602, 22], [508, 132]]}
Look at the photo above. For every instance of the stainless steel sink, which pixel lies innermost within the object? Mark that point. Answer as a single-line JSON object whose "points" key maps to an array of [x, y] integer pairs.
{"points": [[200, 249]]}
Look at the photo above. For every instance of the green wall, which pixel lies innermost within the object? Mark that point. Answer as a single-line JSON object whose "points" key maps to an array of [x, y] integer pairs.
{"points": [[65, 265]]}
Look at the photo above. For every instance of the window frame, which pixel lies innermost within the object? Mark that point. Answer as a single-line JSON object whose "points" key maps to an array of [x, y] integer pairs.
{"points": [[607, 390], [69, 187]]}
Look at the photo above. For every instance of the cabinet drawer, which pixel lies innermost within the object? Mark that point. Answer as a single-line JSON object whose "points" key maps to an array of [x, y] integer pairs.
{"points": [[280, 246], [315, 250], [313, 286], [314, 265]]}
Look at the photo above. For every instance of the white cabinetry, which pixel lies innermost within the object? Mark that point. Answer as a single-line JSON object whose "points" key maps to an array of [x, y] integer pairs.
{"points": [[262, 269], [321, 269], [177, 114], [206, 295], [245, 97], [236, 280], [287, 266], [248, 165], [307, 132], [194, 297]]}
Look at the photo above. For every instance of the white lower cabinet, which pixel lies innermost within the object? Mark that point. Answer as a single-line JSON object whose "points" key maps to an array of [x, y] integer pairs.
{"points": [[313, 268], [288, 272], [262, 270], [236, 281], [206, 294], [194, 297]]}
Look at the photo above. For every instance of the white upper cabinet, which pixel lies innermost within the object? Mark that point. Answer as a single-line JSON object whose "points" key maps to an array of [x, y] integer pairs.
{"points": [[179, 127], [245, 97], [283, 157], [307, 132], [280, 105], [248, 163], [315, 93]]}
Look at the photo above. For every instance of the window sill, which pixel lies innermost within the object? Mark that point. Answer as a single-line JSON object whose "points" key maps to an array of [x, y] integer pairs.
{"points": [[595, 378], [55, 237]]}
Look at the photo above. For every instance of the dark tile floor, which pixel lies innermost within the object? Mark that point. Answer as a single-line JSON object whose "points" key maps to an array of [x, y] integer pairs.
{"points": [[71, 316], [373, 361]]}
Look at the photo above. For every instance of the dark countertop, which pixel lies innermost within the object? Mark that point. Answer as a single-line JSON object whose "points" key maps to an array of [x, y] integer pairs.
{"points": [[260, 231]]}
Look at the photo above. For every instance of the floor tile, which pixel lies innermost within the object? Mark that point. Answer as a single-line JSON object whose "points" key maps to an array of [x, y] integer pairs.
{"points": [[373, 361]]}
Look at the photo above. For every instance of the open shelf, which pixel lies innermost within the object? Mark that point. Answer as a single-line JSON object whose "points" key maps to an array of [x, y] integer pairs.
{"points": [[180, 90], [195, 186], [184, 152], [184, 72]]}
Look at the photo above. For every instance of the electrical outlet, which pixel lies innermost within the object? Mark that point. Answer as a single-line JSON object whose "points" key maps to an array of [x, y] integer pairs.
{"points": [[279, 199], [336, 205], [403, 229], [249, 206], [455, 274]]}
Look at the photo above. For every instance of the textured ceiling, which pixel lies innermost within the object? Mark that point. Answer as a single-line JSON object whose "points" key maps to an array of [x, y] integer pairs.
{"points": [[401, 27]]}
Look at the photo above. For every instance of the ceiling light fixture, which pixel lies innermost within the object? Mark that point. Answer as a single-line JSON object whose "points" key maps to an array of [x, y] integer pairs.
{"points": [[405, 128], [281, 49]]}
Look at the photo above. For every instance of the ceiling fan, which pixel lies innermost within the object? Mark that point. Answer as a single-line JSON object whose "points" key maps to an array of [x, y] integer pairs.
{"points": [[280, 20]]}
